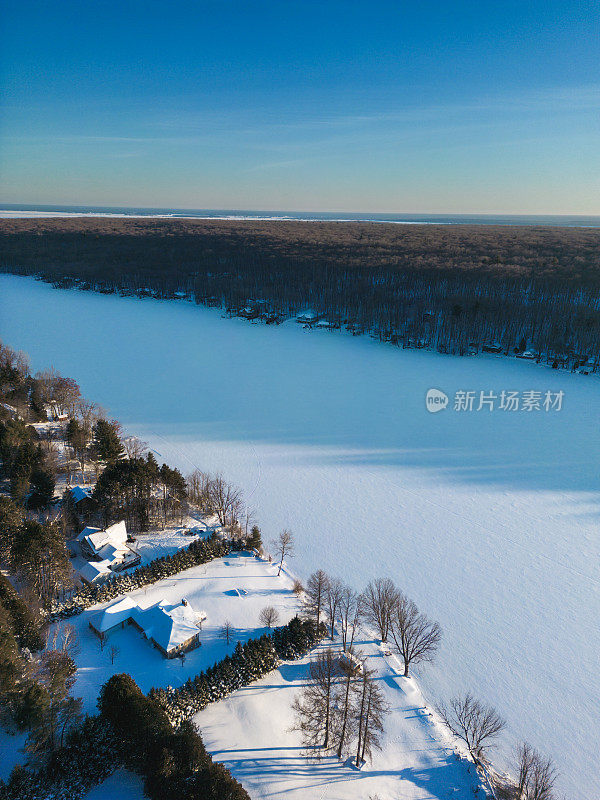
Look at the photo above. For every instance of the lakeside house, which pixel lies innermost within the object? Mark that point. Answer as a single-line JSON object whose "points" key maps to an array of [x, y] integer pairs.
{"points": [[107, 551], [172, 629]]}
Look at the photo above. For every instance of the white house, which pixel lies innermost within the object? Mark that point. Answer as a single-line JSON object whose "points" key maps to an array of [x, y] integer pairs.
{"points": [[172, 629], [107, 551]]}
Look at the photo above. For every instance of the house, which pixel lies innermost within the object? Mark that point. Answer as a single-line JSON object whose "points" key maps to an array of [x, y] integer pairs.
{"points": [[107, 551], [95, 571], [308, 318], [81, 497], [92, 540], [172, 629]]}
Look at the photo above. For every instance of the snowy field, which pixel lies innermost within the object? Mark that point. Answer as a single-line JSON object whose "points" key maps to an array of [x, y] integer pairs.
{"points": [[251, 732], [209, 587], [489, 519]]}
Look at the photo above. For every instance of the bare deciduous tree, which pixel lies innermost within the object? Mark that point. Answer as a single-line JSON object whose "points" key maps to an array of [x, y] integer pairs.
{"points": [[198, 486], [350, 615], [134, 447], [226, 501], [113, 652], [269, 616], [537, 775], [380, 597], [316, 588], [476, 724], [333, 599], [371, 712], [415, 637], [350, 672], [283, 546], [226, 631], [314, 707]]}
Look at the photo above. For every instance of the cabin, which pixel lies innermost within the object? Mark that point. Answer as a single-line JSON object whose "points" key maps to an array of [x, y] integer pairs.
{"points": [[81, 497], [172, 629]]}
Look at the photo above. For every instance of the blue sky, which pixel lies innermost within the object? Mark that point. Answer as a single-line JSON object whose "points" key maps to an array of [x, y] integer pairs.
{"points": [[432, 107]]}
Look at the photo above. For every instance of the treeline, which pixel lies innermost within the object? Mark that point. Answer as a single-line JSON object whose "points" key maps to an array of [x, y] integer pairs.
{"points": [[455, 289], [249, 662]]}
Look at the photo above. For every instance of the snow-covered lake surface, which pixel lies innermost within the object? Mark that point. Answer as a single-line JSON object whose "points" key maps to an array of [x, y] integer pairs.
{"points": [[489, 519]]}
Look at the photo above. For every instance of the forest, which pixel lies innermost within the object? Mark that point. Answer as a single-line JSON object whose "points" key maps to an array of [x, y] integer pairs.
{"points": [[456, 289]]}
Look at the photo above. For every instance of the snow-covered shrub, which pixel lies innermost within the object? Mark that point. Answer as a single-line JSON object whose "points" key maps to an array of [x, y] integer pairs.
{"points": [[248, 663]]}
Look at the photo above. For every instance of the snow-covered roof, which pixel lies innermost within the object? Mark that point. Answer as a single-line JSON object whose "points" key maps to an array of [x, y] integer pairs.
{"points": [[92, 571], [113, 551], [97, 539], [118, 531], [113, 615], [169, 626], [79, 493], [87, 531]]}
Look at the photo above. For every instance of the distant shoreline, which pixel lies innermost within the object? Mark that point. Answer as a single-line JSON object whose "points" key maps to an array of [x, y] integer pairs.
{"points": [[25, 211]]}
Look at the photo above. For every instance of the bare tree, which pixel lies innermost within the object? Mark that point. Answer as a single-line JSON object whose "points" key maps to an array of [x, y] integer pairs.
{"points": [[65, 638], [333, 599], [226, 631], [298, 588], [537, 775], [134, 447], [269, 616], [316, 589], [476, 724], [113, 652], [198, 486], [371, 712], [380, 598], [351, 605], [226, 501], [350, 672], [314, 708], [415, 637], [283, 546]]}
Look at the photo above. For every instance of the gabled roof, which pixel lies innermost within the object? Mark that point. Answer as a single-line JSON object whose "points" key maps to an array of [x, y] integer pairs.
{"points": [[169, 626], [112, 552], [88, 531], [94, 570], [113, 615], [96, 539], [79, 493]]}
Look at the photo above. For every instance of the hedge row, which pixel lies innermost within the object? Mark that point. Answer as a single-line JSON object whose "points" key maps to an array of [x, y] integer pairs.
{"points": [[200, 551], [248, 663]]}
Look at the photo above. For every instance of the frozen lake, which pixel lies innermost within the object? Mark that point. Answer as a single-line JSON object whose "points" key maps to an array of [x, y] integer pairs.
{"points": [[488, 519]]}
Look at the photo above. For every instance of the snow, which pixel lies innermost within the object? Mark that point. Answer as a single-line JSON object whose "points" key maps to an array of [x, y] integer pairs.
{"points": [[167, 624], [111, 615], [251, 733], [488, 520], [211, 587]]}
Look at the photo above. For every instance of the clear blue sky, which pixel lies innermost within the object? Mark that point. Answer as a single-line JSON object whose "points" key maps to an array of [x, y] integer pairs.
{"points": [[381, 106]]}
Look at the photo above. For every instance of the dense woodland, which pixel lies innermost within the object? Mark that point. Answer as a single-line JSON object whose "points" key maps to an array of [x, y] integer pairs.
{"points": [[454, 288]]}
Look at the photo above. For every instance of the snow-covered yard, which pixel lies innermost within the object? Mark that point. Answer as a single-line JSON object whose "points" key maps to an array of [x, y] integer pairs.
{"points": [[212, 588], [251, 733]]}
